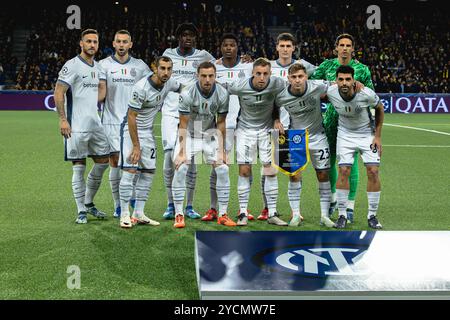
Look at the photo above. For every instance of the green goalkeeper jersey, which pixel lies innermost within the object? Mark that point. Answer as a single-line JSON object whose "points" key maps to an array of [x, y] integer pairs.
{"points": [[327, 71]]}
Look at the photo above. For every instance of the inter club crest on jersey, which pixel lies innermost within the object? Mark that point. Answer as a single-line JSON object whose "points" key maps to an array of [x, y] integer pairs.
{"points": [[133, 72], [241, 74], [290, 151]]}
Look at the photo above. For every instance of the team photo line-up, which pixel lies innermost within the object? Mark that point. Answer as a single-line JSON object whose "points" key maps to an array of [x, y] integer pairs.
{"points": [[212, 107]]}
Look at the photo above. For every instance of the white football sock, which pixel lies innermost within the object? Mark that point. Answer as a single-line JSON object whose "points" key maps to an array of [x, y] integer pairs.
{"points": [[374, 200], [168, 174], [125, 191], [143, 187], [271, 190], [223, 188], [179, 187], [243, 193], [263, 183], [114, 182], [351, 204], [333, 196], [136, 178], [94, 180], [79, 186], [212, 188], [191, 178], [342, 198], [294, 194], [325, 196]]}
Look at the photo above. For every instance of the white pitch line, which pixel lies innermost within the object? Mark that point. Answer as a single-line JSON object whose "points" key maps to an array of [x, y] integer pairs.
{"points": [[414, 146], [414, 128]]}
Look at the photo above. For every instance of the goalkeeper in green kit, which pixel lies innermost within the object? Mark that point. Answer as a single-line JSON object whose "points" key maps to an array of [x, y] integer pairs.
{"points": [[345, 47]]}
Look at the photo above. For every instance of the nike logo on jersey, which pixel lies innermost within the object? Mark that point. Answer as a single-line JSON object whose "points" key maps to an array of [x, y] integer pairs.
{"points": [[112, 72], [84, 77]]}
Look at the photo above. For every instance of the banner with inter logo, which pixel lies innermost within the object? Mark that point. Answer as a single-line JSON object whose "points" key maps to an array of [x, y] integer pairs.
{"points": [[323, 264], [290, 151]]}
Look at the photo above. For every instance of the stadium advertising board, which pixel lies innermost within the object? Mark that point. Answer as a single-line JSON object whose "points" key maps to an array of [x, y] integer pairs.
{"points": [[393, 102]]}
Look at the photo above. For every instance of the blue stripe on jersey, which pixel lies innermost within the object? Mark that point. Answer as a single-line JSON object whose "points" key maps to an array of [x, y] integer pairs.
{"points": [[237, 62], [69, 98], [65, 149], [85, 62], [153, 84], [62, 81], [122, 126], [292, 62], [298, 95], [114, 58], [187, 55], [213, 89], [135, 109], [371, 163]]}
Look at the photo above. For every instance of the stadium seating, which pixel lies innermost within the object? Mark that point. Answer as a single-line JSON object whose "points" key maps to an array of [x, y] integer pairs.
{"points": [[408, 54]]}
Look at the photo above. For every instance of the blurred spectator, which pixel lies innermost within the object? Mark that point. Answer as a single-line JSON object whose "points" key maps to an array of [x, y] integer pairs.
{"points": [[2, 78], [409, 54]]}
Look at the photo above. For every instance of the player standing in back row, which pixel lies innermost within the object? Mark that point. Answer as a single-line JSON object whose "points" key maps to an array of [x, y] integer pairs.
{"points": [[122, 71], [230, 69], [185, 59], [76, 98]]}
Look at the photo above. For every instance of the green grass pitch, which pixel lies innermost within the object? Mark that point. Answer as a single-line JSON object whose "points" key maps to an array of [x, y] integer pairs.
{"points": [[39, 238]]}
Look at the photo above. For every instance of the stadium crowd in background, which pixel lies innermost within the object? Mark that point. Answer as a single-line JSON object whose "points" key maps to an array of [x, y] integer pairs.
{"points": [[408, 54]]}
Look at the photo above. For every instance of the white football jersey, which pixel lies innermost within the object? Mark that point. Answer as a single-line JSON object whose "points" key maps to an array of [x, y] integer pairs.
{"points": [[354, 115], [120, 78], [185, 72], [281, 71], [146, 99], [203, 109], [304, 110], [256, 105], [82, 95], [228, 75]]}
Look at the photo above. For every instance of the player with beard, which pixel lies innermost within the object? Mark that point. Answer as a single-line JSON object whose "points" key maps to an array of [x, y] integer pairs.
{"points": [[122, 71]]}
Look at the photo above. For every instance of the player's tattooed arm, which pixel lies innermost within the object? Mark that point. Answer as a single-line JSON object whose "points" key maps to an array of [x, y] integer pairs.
{"points": [[64, 126]]}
